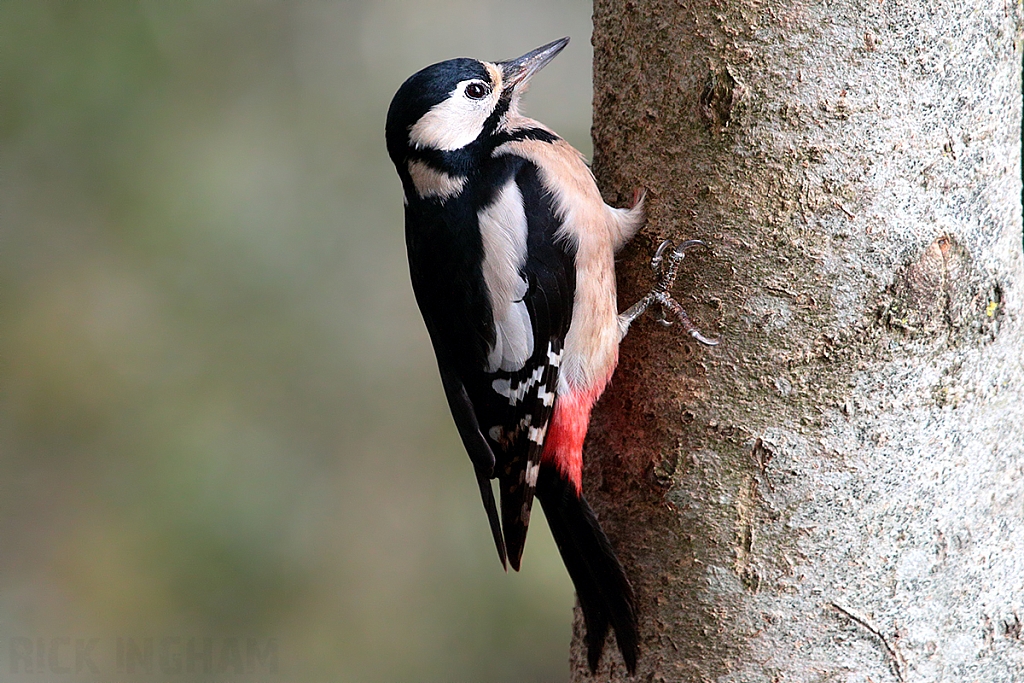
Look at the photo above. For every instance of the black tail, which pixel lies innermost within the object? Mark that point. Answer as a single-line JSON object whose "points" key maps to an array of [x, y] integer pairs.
{"points": [[492, 515], [604, 592], [516, 502]]}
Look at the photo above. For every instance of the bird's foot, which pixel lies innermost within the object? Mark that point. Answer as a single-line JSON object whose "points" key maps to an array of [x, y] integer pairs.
{"points": [[665, 265]]}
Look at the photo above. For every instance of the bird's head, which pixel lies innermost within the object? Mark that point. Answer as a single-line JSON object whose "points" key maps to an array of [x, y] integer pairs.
{"points": [[450, 105]]}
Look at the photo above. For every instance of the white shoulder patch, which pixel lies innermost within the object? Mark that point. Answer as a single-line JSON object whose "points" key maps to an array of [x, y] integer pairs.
{"points": [[430, 182], [503, 232], [596, 230]]}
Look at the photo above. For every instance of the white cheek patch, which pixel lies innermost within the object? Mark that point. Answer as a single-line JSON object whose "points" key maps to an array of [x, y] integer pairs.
{"points": [[455, 122], [503, 232], [429, 182]]}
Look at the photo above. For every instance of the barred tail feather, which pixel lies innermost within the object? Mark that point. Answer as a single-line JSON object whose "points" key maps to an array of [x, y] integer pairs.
{"points": [[516, 502], [604, 593]]}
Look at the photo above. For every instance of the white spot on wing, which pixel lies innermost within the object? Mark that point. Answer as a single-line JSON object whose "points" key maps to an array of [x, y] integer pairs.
{"points": [[514, 396], [503, 232], [504, 387], [537, 434], [532, 470], [430, 182]]}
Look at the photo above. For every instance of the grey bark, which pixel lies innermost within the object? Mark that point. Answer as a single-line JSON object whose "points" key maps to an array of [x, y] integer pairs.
{"points": [[836, 492]]}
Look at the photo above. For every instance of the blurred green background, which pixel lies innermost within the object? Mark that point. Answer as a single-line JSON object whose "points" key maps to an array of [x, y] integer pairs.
{"points": [[219, 411]]}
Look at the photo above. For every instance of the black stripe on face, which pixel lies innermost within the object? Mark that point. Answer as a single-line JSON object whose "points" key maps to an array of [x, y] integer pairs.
{"points": [[467, 160], [526, 134], [462, 161], [491, 124]]}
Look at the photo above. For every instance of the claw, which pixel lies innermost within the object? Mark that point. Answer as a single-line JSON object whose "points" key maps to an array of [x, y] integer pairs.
{"points": [[695, 333], [681, 250], [667, 302], [661, 292], [658, 255]]}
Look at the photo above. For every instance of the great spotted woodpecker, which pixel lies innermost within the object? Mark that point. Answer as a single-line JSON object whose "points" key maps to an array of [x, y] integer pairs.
{"points": [[511, 253]]}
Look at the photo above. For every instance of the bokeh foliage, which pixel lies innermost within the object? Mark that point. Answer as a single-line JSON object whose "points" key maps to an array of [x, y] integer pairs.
{"points": [[219, 414]]}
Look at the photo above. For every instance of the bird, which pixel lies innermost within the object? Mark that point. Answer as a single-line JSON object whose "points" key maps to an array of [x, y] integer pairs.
{"points": [[511, 253]]}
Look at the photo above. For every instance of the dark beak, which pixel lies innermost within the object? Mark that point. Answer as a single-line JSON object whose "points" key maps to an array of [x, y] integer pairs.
{"points": [[517, 72]]}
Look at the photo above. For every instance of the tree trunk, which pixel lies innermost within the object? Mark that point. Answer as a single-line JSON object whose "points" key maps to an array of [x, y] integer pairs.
{"points": [[836, 492]]}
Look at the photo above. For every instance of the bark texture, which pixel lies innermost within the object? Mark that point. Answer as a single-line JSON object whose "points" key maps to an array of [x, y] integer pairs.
{"points": [[836, 492]]}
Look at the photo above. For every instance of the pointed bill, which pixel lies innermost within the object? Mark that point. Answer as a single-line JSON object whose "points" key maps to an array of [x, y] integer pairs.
{"points": [[518, 71]]}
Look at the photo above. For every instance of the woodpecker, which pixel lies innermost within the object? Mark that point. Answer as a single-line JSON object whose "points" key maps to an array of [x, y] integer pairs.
{"points": [[511, 255]]}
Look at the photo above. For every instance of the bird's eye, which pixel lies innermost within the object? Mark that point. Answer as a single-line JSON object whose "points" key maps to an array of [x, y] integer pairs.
{"points": [[476, 91]]}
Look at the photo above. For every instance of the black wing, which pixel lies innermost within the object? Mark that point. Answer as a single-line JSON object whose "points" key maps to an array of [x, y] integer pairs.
{"points": [[516, 408], [496, 413], [444, 265], [503, 417]]}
